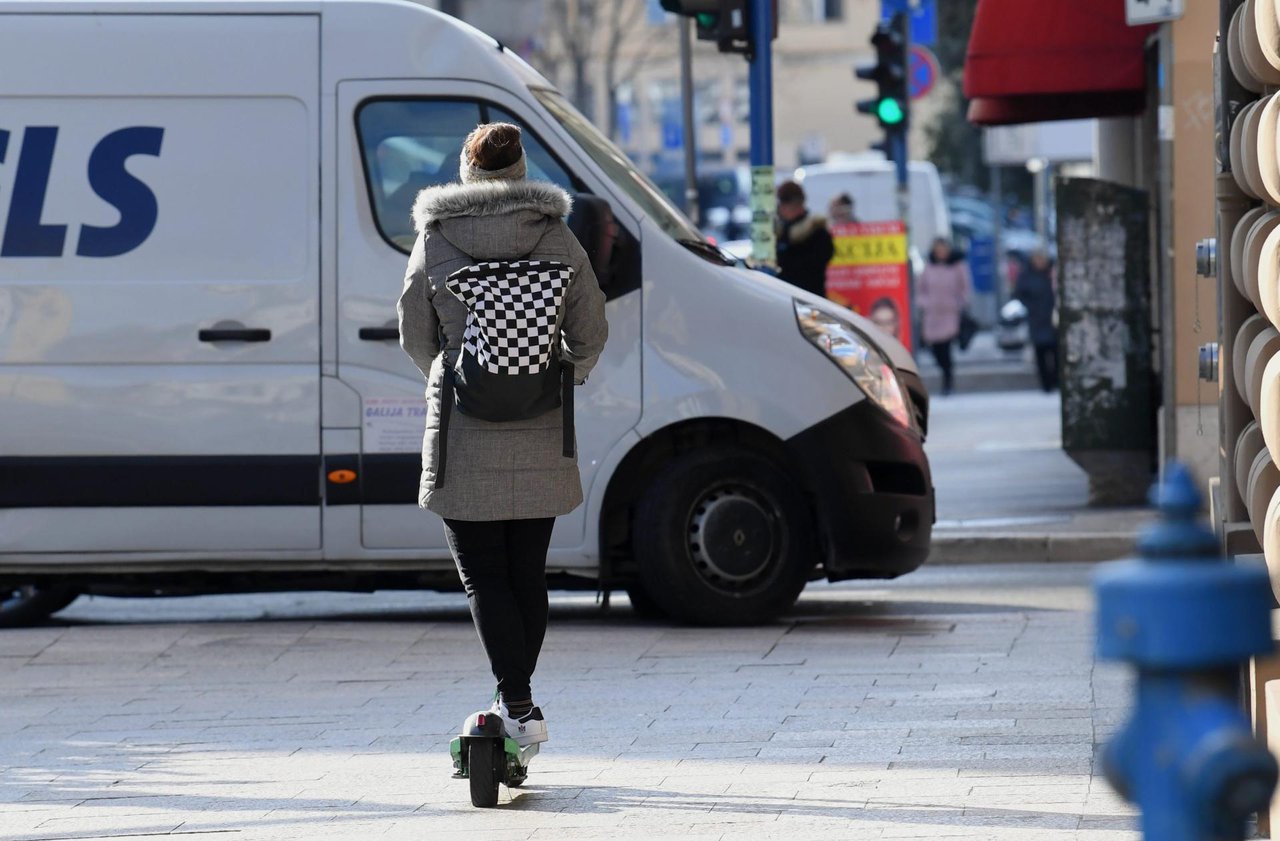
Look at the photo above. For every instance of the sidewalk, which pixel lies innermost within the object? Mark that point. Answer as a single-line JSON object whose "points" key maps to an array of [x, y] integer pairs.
{"points": [[1008, 493], [983, 367], [956, 703]]}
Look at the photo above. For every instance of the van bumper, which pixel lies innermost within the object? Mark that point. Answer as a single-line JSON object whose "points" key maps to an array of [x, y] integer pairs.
{"points": [[872, 491]]}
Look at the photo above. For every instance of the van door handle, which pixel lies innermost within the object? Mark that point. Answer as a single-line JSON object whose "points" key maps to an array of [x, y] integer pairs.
{"points": [[234, 331], [380, 334]]}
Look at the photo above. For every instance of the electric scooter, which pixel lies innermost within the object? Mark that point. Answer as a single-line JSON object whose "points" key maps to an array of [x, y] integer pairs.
{"points": [[484, 754]]}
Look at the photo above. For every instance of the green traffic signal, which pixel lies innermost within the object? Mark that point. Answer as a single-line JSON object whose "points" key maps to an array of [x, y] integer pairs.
{"points": [[890, 111], [706, 20]]}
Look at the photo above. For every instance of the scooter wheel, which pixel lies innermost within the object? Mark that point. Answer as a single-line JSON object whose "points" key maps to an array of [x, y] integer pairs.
{"points": [[483, 756]]}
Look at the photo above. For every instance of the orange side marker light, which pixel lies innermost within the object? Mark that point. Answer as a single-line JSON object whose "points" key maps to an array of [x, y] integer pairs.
{"points": [[342, 477]]}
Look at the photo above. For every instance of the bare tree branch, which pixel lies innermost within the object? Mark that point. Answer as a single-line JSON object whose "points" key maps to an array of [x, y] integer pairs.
{"points": [[642, 55], [626, 25], [574, 23], [623, 25]]}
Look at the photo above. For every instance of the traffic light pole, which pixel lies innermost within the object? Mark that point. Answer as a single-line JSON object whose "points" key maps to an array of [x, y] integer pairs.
{"points": [[900, 148], [760, 80], [901, 152], [690, 134], [891, 106], [904, 188]]}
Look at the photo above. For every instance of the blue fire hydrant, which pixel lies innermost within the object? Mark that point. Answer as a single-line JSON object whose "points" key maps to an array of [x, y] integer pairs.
{"points": [[1187, 621]]}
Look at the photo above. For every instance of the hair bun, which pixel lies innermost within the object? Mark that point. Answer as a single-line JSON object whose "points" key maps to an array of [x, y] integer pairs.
{"points": [[493, 146]]}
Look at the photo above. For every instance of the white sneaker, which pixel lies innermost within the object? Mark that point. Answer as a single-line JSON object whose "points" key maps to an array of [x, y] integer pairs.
{"points": [[529, 730]]}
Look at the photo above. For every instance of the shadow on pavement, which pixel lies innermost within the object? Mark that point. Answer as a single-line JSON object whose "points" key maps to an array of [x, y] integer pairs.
{"points": [[608, 799], [566, 799]]}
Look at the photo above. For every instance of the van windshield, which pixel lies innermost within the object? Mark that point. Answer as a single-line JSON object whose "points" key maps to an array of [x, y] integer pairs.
{"points": [[619, 168]]}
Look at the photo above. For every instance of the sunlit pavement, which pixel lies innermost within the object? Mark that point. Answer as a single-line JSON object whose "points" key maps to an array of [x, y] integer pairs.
{"points": [[956, 702], [1006, 491]]}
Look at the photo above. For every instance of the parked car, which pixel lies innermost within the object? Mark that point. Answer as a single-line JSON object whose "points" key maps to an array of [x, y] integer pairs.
{"points": [[724, 200]]}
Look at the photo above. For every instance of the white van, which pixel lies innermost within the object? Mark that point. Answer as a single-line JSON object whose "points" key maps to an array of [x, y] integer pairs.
{"points": [[873, 185], [205, 227]]}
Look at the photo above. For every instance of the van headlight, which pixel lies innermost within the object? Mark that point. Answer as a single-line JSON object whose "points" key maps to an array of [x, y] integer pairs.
{"points": [[857, 357]]}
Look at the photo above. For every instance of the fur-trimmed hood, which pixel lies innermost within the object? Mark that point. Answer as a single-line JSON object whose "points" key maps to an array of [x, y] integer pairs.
{"points": [[488, 198]]}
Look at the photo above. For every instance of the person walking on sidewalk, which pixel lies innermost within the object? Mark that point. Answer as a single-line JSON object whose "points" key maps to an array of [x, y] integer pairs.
{"points": [[942, 294], [805, 246], [1035, 290], [505, 482]]}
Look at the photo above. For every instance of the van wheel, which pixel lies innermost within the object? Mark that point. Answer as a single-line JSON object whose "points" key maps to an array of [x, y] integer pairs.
{"points": [[26, 604], [723, 537]]}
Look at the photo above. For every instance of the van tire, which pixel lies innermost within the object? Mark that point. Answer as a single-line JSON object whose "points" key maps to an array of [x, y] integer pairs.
{"points": [[723, 537], [642, 604], [25, 604]]}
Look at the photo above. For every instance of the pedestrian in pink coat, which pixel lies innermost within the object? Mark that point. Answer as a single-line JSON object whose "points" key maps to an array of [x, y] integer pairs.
{"points": [[942, 294]]}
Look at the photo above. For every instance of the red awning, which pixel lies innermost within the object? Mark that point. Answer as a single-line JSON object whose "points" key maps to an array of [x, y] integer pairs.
{"points": [[1030, 61]]}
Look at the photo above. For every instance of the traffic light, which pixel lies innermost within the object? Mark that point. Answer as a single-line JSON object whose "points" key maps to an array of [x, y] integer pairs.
{"points": [[723, 21], [891, 105]]}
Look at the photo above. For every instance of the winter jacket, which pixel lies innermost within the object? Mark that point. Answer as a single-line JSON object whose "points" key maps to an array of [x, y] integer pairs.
{"points": [[495, 471], [1034, 289], [942, 293], [805, 248]]}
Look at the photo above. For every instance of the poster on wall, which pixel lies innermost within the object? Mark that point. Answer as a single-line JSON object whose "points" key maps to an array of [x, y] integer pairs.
{"points": [[868, 274]]}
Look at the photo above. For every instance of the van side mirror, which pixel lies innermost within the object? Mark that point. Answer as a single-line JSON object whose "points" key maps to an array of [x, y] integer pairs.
{"points": [[593, 224]]}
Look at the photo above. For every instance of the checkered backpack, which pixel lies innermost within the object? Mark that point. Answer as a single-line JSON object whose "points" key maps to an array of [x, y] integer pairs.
{"points": [[510, 367]]}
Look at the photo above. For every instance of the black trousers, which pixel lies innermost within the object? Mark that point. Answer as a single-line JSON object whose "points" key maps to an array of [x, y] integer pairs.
{"points": [[503, 565], [942, 353], [1047, 365]]}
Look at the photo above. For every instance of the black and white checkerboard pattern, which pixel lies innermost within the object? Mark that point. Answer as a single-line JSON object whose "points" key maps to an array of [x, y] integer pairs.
{"points": [[511, 312]]}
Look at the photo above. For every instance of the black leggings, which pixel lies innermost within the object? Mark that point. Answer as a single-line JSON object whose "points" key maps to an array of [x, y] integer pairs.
{"points": [[503, 565], [1047, 365], [942, 353]]}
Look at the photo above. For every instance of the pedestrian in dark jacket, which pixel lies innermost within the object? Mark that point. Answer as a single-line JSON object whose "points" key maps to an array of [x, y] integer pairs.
{"points": [[942, 293], [508, 481], [804, 243], [1034, 289]]}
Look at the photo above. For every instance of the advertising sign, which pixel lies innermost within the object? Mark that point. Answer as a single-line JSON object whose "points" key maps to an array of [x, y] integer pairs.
{"points": [[924, 18], [868, 274], [982, 263]]}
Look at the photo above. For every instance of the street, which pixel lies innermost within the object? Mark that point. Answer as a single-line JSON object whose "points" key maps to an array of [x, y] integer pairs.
{"points": [[955, 702]]}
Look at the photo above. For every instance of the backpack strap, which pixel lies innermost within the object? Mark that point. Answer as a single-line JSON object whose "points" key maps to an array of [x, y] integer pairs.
{"points": [[446, 409], [566, 402]]}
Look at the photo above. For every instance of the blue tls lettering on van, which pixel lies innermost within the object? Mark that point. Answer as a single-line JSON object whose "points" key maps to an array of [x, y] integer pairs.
{"points": [[113, 183], [24, 234]]}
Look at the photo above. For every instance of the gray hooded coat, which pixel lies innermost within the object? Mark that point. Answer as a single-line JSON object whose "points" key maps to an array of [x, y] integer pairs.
{"points": [[496, 471]]}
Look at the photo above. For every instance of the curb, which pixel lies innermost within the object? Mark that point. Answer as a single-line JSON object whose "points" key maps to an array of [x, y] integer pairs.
{"points": [[961, 549]]}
